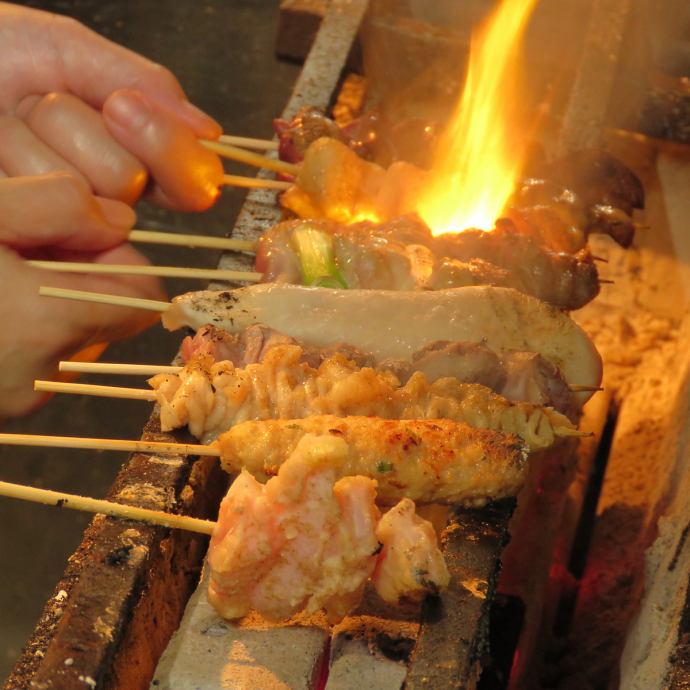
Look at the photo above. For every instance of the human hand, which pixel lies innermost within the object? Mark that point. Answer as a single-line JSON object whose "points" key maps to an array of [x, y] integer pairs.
{"points": [[71, 100], [68, 223], [86, 127]]}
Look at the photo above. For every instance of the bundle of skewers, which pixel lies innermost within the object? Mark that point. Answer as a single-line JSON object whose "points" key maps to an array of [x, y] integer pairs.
{"points": [[373, 367]]}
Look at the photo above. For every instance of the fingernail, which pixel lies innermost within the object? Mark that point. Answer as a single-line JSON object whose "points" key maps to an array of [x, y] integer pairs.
{"points": [[129, 109], [208, 127], [116, 213]]}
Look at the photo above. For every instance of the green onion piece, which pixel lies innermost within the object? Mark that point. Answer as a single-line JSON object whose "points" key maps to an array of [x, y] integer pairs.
{"points": [[315, 251]]}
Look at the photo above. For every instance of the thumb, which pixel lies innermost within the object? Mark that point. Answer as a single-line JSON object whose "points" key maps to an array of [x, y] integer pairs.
{"points": [[58, 210]]}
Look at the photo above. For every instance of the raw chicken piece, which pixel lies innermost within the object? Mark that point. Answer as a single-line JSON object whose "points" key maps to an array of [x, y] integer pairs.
{"points": [[300, 543], [410, 565]]}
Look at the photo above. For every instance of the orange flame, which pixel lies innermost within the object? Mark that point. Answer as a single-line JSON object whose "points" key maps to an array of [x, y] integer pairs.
{"points": [[477, 161]]}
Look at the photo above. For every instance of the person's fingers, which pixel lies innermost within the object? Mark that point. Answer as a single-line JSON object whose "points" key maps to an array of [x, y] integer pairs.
{"points": [[76, 132], [59, 210], [187, 175], [23, 153], [45, 330], [56, 53], [96, 322]]}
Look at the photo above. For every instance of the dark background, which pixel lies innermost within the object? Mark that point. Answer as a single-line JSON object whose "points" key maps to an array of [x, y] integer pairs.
{"points": [[222, 53]]}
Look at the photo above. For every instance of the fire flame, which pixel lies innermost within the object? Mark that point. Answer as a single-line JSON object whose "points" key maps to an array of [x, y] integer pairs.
{"points": [[477, 161]]}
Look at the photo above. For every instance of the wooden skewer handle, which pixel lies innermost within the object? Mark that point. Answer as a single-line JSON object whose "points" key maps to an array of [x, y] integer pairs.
{"points": [[95, 505], [109, 444], [251, 158], [249, 142], [116, 368], [254, 182], [103, 298], [92, 389], [177, 239], [160, 271]]}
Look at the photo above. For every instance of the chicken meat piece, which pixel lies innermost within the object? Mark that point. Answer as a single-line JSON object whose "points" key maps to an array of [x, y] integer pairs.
{"points": [[583, 193], [334, 182], [530, 377], [211, 397], [427, 461], [392, 325], [410, 565], [305, 540], [251, 345], [296, 135]]}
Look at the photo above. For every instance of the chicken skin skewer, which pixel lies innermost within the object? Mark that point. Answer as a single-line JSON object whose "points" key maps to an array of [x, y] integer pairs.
{"points": [[211, 397], [514, 374]]}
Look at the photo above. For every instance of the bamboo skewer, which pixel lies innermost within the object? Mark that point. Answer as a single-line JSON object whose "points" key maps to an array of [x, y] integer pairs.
{"points": [[125, 369], [95, 390], [254, 182], [118, 369], [95, 505], [160, 271], [249, 142], [173, 238], [256, 159], [82, 443], [103, 298]]}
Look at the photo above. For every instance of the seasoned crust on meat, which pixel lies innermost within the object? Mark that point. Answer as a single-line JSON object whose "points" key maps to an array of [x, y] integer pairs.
{"points": [[425, 460], [211, 397]]}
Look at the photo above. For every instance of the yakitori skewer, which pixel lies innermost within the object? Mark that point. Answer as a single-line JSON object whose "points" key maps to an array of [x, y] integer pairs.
{"points": [[125, 369], [249, 142], [251, 158], [186, 240], [96, 505], [144, 394], [145, 270], [83, 443]]}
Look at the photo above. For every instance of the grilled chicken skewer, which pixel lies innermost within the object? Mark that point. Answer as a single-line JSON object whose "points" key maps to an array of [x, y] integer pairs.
{"points": [[403, 255], [261, 564], [502, 318], [558, 205], [392, 324], [428, 461], [209, 397]]}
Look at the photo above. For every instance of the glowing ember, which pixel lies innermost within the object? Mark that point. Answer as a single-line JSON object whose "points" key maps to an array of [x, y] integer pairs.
{"points": [[477, 162]]}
